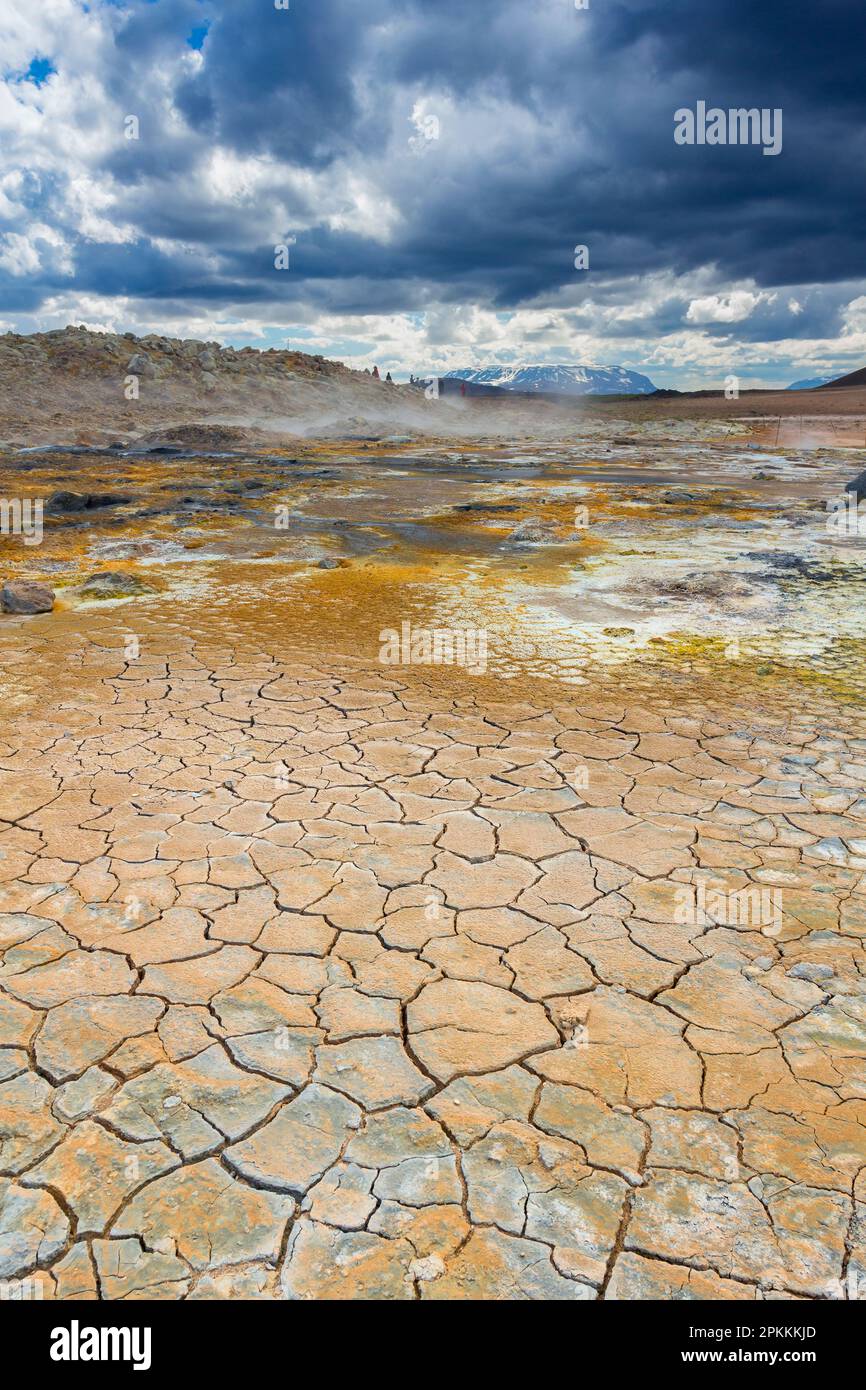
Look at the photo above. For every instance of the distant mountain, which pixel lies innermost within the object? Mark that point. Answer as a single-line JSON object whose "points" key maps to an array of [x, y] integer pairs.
{"points": [[809, 384], [563, 380]]}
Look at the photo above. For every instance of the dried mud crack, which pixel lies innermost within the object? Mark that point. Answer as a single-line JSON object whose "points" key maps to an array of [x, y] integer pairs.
{"points": [[320, 981]]}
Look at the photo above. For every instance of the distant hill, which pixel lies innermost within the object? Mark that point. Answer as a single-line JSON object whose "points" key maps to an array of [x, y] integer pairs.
{"points": [[809, 383], [74, 379], [560, 380], [857, 378]]}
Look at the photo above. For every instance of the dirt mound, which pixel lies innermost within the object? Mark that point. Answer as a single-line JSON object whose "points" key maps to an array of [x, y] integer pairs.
{"points": [[220, 438]]}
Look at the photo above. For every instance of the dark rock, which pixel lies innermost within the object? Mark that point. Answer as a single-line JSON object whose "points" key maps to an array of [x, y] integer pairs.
{"points": [[858, 486], [140, 364], [65, 502], [107, 499], [60, 502], [26, 596], [107, 584]]}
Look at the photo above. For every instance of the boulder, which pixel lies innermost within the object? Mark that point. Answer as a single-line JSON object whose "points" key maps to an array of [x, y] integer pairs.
{"points": [[107, 584], [140, 364], [65, 502], [26, 596], [60, 502]]}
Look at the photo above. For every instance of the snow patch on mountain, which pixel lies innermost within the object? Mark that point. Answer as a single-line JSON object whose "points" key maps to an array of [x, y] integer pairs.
{"points": [[562, 380], [809, 384]]}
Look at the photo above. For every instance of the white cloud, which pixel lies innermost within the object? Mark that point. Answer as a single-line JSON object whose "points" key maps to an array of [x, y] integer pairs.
{"points": [[733, 307], [40, 248]]}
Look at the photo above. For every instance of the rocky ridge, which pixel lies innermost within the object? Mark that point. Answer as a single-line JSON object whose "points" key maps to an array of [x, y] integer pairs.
{"points": [[104, 382]]}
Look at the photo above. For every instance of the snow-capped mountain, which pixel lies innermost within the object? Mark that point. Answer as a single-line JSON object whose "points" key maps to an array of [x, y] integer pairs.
{"points": [[810, 383], [564, 380]]}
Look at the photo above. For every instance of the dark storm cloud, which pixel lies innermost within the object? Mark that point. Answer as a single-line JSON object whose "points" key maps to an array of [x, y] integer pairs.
{"points": [[285, 80], [606, 84], [557, 129]]}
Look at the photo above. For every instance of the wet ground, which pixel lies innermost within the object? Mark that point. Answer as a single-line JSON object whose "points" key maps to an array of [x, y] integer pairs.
{"points": [[569, 556]]}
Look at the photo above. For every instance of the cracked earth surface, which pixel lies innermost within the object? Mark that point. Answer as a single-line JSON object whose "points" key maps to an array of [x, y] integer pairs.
{"points": [[322, 982]]}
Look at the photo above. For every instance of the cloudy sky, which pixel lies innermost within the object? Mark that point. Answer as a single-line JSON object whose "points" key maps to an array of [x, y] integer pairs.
{"points": [[431, 166]]}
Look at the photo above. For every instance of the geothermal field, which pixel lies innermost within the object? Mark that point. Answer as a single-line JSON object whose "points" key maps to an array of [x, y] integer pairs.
{"points": [[432, 837]]}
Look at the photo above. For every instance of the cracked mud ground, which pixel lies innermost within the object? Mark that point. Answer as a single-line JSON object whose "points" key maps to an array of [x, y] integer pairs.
{"points": [[326, 982]]}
